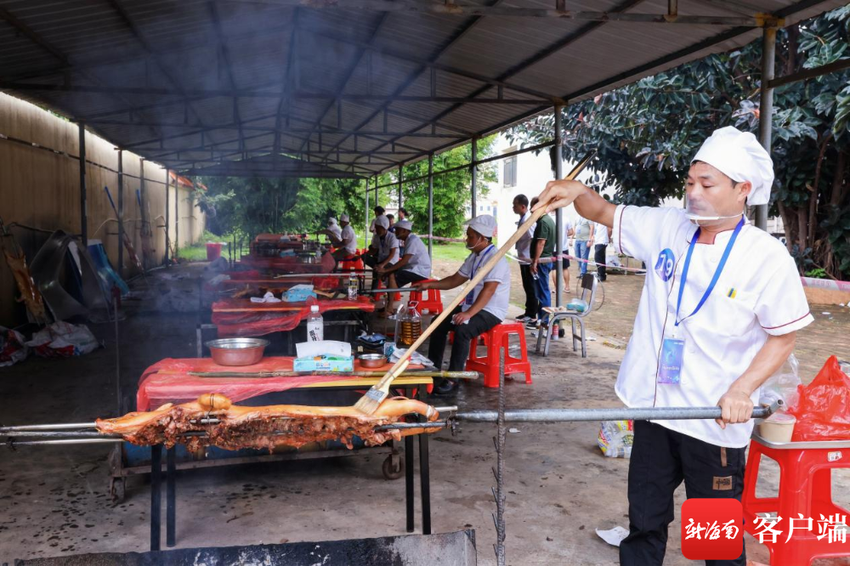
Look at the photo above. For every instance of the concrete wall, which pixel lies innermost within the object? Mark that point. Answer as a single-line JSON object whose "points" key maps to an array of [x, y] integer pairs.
{"points": [[41, 189]]}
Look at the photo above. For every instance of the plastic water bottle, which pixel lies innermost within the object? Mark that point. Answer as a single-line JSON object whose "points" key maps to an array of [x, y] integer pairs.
{"points": [[315, 325], [353, 284]]}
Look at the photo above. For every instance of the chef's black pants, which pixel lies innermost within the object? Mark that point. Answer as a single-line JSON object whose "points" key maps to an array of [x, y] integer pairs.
{"points": [[661, 459], [464, 333]]}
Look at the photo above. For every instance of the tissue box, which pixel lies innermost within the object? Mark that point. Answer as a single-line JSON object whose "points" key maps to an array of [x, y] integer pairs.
{"points": [[299, 294], [324, 363]]}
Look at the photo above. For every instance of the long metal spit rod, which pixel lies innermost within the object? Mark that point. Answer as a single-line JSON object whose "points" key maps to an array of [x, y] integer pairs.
{"points": [[620, 414], [517, 415]]}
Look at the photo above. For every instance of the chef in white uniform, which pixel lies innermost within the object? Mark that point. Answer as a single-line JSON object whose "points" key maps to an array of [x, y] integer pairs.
{"points": [[718, 315], [383, 249], [482, 309], [345, 241], [415, 263]]}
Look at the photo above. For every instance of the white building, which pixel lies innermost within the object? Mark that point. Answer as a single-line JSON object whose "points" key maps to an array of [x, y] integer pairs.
{"points": [[527, 174]]}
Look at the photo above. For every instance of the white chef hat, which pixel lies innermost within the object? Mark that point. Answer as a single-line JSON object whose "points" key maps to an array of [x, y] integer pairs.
{"points": [[331, 221], [741, 157], [404, 225], [382, 221], [343, 218], [484, 225]]}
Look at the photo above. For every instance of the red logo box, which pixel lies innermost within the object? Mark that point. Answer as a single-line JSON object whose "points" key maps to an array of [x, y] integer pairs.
{"points": [[712, 529]]}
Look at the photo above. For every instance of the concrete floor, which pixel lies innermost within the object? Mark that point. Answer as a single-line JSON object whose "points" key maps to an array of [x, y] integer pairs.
{"points": [[54, 501]]}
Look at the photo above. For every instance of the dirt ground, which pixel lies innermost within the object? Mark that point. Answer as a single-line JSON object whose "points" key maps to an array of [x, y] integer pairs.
{"points": [[54, 501]]}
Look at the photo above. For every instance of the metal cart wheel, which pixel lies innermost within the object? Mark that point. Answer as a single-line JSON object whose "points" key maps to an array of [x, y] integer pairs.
{"points": [[393, 470], [117, 490]]}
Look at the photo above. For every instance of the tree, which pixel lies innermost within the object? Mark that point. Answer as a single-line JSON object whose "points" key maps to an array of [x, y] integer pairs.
{"points": [[452, 191], [646, 133], [257, 205]]}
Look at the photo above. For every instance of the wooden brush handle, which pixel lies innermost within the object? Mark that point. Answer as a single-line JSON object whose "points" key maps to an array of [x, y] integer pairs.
{"points": [[470, 285]]}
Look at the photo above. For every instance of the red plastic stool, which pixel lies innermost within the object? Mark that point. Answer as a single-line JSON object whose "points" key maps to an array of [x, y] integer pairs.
{"points": [[805, 487], [395, 296], [431, 304], [353, 263], [495, 339]]}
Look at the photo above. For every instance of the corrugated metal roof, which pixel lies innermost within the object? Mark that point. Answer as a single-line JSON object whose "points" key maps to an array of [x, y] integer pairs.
{"points": [[220, 85]]}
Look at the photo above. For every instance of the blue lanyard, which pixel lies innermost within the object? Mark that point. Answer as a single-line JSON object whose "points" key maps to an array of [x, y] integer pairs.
{"points": [[717, 271], [481, 259]]}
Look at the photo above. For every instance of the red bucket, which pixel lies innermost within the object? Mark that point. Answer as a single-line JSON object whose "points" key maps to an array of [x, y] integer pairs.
{"points": [[213, 251]]}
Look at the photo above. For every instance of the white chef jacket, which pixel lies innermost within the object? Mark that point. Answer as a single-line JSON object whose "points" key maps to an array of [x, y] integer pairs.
{"points": [[387, 246], [759, 293], [501, 274], [335, 229], [349, 239], [523, 245], [420, 261]]}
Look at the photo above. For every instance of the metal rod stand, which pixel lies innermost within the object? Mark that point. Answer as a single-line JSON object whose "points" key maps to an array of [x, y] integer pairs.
{"points": [[499, 472], [170, 496], [156, 496]]}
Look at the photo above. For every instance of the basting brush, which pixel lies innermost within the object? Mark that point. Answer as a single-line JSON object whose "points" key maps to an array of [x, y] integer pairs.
{"points": [[373, 398]]}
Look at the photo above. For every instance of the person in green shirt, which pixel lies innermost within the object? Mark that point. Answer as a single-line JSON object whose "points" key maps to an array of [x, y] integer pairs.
{"points": [[542, 246]]}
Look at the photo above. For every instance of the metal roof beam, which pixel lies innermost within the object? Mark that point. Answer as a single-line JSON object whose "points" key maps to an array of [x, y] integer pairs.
{"points": [[225, 54], [412, 77], [434, 65], [350, 73], [269, 129], [544, 53], [466, 10]]}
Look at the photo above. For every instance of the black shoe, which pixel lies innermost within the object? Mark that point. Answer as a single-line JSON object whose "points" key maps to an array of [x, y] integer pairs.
{"points": [[446, 387]]}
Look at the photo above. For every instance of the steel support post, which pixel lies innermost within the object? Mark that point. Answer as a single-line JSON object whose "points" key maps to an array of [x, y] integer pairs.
{"points": [[400, 175], [474, 172], [431, 205], [146, 219], [768, 61], [167, 215], [121, 212], [84, 231], [559, 213], [176, 215], [366, 216]]}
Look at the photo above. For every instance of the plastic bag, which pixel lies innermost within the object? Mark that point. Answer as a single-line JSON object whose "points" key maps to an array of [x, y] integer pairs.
{"points": [[12, 347], [784, 384], [63, 340], [823, 411], [616, 438], [576, 304]]}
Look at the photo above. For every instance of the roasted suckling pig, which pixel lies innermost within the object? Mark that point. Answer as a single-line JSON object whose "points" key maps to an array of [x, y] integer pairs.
{"points": [[213, 420]]}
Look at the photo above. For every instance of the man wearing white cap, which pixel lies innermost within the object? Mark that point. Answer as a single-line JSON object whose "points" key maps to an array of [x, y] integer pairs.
{"points": [[415, 263], [345, 242], [482, 309], [383, 250], [334, 227], [719, 313]]}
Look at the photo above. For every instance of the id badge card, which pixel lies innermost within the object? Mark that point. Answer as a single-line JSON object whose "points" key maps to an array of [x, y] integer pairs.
{"points": [[470, 298], [672, 354]]}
